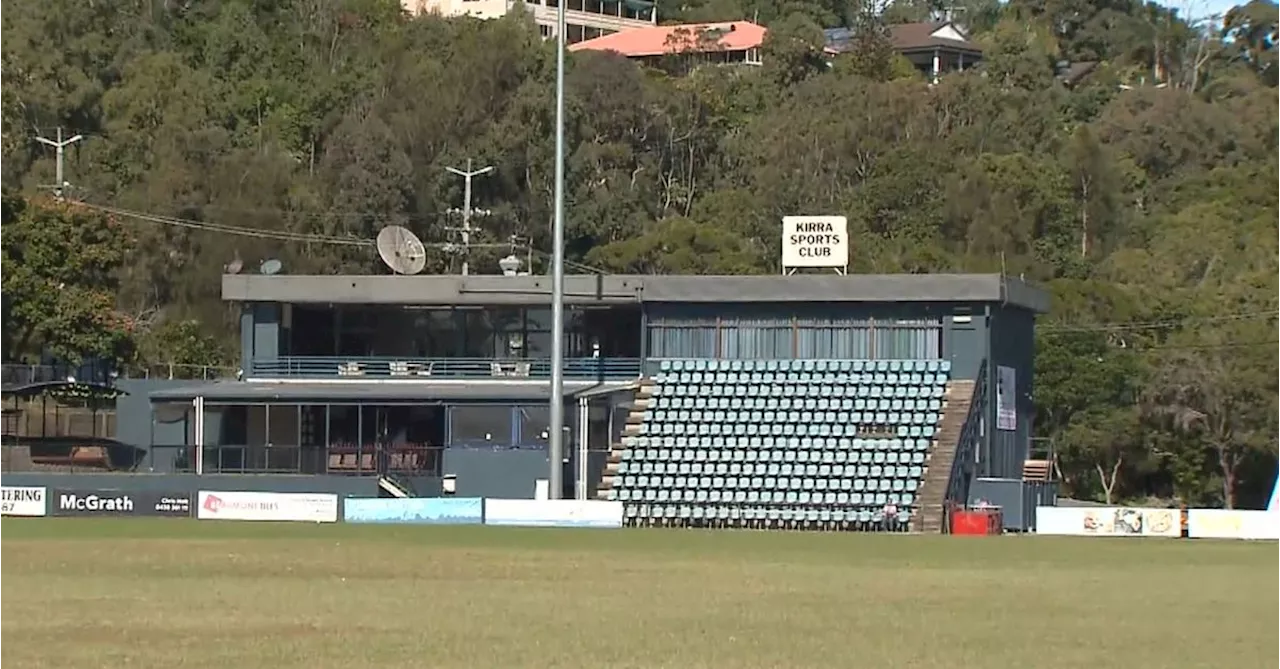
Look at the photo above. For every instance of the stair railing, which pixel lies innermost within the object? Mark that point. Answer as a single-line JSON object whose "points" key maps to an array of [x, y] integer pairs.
{"points": [[970, 440]]}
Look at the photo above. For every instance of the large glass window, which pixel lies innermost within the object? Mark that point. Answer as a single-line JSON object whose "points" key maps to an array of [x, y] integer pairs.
{"points": [[534, 421], [480, 426]]}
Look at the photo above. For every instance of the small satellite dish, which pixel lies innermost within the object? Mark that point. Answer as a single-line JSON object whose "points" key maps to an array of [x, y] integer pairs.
{"points": [[270, 266], [234, 266], [401, 250]]}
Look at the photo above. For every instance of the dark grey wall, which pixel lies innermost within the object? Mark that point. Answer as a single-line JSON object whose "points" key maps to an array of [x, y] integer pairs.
{"points": [[266, 331], [964, 341], [1012, 345], [345, 486], [496, 473]]}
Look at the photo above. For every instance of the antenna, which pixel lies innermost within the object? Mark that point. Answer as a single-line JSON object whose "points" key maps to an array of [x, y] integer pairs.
{"points": [[401, 250], [270, 266]]}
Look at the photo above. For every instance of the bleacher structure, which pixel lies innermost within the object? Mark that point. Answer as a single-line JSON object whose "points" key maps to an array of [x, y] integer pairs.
{"points": [[799, 444]]}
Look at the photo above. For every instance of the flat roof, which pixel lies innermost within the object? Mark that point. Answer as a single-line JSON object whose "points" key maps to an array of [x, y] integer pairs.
{"points": [[372, 392], [451, 290]]}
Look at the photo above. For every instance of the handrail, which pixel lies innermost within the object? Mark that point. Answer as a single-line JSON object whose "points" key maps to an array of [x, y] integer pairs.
{"points": [[966, 454], [356, 368]]}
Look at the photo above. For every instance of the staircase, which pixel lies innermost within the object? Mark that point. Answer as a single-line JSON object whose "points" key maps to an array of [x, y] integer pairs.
{"points": [[1037, 470], [644, 394], [931, 501]]}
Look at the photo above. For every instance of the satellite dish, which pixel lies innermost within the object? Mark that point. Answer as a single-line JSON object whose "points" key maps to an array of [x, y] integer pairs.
{"points": [[234, 266], [401, 250], [270, 266]]}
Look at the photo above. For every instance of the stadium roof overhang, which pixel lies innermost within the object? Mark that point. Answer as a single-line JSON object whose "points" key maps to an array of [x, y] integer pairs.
{"points": [[378, 392], [586, 290]]}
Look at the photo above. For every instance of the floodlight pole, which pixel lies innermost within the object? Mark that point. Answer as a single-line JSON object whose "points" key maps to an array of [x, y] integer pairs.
{"points": [[555, 447], [466, 208], [59, 144]]}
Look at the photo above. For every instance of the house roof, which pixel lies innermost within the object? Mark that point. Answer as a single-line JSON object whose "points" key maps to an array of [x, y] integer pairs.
{"points": [[907, 37], [659, 40]]}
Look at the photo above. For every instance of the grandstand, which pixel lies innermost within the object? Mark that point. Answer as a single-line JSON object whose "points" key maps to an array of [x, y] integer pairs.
{"points": [[806, 401]]}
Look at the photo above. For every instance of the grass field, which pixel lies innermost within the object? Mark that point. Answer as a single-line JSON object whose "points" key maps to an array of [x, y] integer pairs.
{"points": [[180, 594]]}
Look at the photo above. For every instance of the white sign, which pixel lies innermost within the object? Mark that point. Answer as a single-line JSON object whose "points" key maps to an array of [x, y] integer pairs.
{"points": [[552, 513], [22, 501], [297, 507], [1006, 399], [1232, 524], [1108, 521], [815, 241]]}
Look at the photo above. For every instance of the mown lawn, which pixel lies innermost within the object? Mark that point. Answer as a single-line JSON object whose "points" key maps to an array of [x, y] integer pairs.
{"points": [[173, 594]]}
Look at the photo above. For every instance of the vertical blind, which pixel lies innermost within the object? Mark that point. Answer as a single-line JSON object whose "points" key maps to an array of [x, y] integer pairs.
{"points": [[801, 339]]}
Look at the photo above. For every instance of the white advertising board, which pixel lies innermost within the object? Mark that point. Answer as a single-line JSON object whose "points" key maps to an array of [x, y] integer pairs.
{"points": [[552, 513], [1232, 524], [23, 501], [1104, 521], [297, 507], [815, 241]]}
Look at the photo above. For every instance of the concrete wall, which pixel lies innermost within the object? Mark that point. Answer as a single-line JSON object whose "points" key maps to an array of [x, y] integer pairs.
{"points": [[345, 486]]}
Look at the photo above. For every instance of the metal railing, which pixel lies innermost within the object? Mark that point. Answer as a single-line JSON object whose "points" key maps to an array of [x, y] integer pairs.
{"points": [[356, 368], [970, 440], [19, 374]]}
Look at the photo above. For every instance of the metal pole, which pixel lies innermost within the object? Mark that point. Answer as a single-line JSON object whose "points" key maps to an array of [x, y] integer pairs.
{"points": [[556, 447], [466, 218]]}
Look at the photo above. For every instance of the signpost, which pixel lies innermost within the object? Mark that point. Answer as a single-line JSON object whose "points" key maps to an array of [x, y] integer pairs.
{"points": [[815, 242]]}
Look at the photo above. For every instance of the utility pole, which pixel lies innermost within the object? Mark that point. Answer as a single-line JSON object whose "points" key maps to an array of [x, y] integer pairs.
{"points": [[466, 212], [59, 144]]}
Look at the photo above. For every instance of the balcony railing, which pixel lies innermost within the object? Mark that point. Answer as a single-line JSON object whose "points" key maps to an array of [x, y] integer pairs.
{"points": [[423, 369]]}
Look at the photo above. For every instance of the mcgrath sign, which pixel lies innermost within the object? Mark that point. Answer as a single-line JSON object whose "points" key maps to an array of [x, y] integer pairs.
{"points": [[120, 503], [815, 241]]}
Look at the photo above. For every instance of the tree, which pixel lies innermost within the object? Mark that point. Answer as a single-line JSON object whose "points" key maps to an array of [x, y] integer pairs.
{"points": [[59, 282]]}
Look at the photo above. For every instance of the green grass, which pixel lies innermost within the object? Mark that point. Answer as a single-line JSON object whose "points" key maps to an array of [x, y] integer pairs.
{"points": [[180, 594]]}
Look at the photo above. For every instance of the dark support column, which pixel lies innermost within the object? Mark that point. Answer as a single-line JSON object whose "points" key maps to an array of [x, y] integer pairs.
{"points": [[298, 442], [328, 439], [266, 437]]}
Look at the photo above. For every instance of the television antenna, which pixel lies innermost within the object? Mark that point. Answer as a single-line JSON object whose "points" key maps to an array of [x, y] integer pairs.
{"points": [[401, 250]]}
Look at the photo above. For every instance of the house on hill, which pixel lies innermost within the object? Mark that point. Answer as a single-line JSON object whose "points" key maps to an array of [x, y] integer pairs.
{"points": [[724, 42], [934, 47]]}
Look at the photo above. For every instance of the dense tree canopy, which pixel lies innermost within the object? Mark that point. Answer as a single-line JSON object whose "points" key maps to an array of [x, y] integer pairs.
{"points": [[1143, 194]]}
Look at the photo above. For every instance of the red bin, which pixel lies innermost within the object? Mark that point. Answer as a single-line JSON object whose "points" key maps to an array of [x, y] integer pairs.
{"points": [[976, 522]]}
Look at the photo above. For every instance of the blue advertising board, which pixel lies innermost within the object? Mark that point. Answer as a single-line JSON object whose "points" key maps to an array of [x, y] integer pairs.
{"points": [[415, 510]]}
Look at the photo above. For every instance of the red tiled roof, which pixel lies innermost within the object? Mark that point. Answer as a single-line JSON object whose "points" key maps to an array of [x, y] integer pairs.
{"points": [[659, 40]]}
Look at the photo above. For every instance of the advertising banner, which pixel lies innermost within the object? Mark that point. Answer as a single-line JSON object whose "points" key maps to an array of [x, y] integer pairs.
{"points": [[23, 501], [414, 511], [1108, 521], [120, 503], [1232, 524], [296, 507], [552, 513]]}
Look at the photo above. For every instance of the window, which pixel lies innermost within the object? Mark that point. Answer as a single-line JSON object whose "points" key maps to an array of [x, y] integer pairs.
{"points": [[753, 57], [480, 426], [534, 421]]}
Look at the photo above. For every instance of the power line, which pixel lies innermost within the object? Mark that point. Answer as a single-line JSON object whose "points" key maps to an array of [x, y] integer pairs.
{"points": [[1156, 325]]}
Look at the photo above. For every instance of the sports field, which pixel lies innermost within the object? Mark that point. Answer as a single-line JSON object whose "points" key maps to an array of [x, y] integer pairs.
{"points": [[179, 594]]}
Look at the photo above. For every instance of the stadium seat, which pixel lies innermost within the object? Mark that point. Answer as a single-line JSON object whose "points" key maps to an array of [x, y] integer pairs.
{"points": [[758, 443]]}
